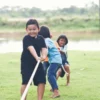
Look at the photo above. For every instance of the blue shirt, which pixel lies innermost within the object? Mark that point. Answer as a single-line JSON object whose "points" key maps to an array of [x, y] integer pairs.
{"points": [[53, 53]]}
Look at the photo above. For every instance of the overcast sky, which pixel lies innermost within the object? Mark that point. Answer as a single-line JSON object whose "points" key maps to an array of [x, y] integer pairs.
{"points": [[46, 4]]}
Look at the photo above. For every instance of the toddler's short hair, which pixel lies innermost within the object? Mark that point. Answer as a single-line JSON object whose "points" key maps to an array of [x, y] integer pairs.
{"points": [[32, 21]]}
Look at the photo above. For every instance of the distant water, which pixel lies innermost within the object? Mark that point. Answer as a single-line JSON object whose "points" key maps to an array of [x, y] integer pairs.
{"points": [[10, 46], [82, 45]]}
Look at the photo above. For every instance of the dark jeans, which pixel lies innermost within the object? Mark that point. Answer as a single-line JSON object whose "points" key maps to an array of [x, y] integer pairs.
{"points": [[52, 75]]}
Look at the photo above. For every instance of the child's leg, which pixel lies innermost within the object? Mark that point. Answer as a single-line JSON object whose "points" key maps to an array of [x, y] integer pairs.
{"points": [[22, 90], [68, 76], [52, 79], [58, 73], [40, 91]]}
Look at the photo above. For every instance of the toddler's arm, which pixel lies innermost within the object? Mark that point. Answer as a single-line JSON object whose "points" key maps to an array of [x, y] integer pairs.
{"points": [[33, 52]]}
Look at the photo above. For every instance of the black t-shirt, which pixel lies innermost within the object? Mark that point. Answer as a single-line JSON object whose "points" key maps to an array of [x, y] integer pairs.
{"points": [[37, 42]]}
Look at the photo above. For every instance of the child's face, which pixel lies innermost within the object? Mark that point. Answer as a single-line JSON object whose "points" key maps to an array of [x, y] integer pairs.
{"points": [[32, 30], [61, 42]]}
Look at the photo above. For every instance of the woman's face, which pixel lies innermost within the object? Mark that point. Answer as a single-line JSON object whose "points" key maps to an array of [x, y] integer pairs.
{"points": [[62, 42]]}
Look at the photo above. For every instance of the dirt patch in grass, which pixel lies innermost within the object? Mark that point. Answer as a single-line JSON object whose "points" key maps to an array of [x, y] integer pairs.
{"points": [[74, 35], [12, 35]]}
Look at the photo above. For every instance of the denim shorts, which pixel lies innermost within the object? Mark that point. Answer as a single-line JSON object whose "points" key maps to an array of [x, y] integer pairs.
{"points": [[64, 59], [64, 62]]}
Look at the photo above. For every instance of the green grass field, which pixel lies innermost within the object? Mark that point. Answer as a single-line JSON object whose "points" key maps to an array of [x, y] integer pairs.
{"points": [[85, 78]]}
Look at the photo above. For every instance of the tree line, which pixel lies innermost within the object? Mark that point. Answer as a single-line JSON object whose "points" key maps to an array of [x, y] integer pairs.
{"points": [[90, 9]]}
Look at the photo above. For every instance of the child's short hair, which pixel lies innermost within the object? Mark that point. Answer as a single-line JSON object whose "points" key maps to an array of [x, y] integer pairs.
{"points": [[44, 31], [62, 37], [32, 21]]}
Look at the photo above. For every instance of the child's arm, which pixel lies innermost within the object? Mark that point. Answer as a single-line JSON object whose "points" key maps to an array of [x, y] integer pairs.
{"points": [[59, 48], [62, 52], [44, 53], [33, 52], [64, 49]]}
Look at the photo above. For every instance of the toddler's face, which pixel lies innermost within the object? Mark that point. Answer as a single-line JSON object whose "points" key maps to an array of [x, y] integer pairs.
{"points": [[32, 30], [61, 42]]}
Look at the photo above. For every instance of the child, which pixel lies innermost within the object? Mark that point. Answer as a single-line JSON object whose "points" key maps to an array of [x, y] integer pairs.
{"points": [[46, 62], [62, 42], [32, 45], [54, 60]]}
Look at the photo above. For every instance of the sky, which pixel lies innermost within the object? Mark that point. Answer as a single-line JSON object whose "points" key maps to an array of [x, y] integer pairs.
{"points": [[46, 4]]}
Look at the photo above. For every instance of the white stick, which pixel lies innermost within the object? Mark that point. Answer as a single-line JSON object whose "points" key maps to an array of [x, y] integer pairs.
{"points": [[64, 69], [30, 80]]}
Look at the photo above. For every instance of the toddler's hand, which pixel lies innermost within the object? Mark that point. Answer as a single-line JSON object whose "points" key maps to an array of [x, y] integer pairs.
{"points": [[43, 58], [38, 58]]}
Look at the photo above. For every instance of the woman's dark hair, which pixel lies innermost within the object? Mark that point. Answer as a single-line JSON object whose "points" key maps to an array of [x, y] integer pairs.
{"points": [[32, 21], [44, 31], [62, 37]]}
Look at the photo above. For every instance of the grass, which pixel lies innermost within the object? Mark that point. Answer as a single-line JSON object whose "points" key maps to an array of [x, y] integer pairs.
{"points": [[85, 78]]}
